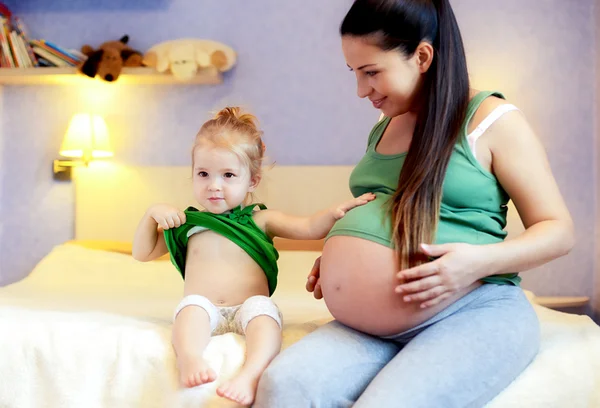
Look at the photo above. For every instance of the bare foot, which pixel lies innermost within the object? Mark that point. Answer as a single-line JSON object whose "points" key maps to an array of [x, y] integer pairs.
{"points": [[194, 371], [240, 389]]}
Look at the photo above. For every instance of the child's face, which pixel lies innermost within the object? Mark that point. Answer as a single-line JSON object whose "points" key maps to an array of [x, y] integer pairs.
{"points": [[221, 180]]}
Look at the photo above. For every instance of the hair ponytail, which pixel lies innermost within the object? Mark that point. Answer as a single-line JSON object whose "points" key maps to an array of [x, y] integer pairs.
{"points": [[403, 25]]}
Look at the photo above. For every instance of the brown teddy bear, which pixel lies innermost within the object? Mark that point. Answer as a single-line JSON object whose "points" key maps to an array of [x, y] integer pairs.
{"points": [[108, 60]]}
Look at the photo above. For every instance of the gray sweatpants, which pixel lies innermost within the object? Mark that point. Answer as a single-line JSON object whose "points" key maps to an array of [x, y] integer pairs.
{"points": [[462, 357]]}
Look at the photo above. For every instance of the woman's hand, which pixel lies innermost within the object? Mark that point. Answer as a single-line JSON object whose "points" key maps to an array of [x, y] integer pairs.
{"points": [[166, 216], [457, 266], [313, 283]]}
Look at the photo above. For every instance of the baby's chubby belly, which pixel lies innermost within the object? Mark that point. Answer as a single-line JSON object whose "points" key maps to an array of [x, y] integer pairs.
{"points": [[220, 270]]}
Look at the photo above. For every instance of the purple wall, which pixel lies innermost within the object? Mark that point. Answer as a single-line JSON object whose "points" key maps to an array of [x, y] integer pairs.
{"points": [[596, 178]]}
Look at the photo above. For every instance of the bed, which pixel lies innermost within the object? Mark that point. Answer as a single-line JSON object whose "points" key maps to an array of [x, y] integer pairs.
{"points": [[90, 326]]}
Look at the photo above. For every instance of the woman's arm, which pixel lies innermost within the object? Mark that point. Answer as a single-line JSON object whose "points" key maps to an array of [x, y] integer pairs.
{"points": [[519, 162]]}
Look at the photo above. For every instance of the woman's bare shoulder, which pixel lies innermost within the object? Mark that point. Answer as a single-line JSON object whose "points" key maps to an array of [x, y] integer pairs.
{"points": [[485, 108]]}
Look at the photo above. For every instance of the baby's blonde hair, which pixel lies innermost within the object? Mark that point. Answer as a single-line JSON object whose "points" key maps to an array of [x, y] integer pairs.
{"points": [[237, 132]]}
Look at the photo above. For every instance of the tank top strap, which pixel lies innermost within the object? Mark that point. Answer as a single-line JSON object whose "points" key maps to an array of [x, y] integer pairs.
{"points": [[474, 104], [377, 132]]}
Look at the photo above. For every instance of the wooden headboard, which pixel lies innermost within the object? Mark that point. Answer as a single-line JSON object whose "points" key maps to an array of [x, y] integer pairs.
{"points": [[124, 247], [110, 199]]}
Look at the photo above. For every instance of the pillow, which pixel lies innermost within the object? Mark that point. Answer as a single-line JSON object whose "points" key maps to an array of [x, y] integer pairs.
{"points": [[110, 246], [70, 267]]}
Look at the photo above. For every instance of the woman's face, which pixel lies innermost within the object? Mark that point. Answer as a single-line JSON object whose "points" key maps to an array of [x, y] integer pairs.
{"points": [[389, 79]]}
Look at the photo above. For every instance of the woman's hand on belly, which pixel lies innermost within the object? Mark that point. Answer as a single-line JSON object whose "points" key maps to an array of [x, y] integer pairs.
{"points": [[313, 283], [358, 278], [457, 267]]}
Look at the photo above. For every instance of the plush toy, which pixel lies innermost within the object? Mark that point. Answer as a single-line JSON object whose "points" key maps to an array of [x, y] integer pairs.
{"points": [[108, 60], [184, 56]]}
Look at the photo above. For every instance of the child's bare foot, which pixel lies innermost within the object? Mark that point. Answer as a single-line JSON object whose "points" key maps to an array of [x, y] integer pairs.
{"points": [[240, 389], [194, 371]]}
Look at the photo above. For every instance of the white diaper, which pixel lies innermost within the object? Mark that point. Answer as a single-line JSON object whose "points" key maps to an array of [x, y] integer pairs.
{"points": [[232, 318]]}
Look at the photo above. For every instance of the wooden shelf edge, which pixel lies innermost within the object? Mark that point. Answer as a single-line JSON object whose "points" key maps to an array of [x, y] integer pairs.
{"points": [[70, 76]]}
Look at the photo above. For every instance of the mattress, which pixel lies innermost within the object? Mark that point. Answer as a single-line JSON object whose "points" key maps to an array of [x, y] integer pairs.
{"points": [[90, 328]]}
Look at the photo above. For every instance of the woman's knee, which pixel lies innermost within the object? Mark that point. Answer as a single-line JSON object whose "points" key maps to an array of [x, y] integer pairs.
{"points": [[289, 380], [280, 385], [279, 374]]}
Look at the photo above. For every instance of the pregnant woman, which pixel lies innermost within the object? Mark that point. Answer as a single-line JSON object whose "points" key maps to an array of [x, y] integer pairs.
{"points": [[422, 285]]}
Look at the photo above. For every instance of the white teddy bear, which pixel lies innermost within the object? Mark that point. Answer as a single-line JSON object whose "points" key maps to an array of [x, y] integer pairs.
{"points": [[184, 56]]}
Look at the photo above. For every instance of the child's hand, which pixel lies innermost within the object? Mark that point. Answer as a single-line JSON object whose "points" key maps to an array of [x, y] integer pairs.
{"points": [[166, 216], [340, 211]]}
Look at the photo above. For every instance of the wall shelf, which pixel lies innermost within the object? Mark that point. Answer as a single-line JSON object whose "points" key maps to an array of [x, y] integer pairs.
{"points": [[70, 76]]}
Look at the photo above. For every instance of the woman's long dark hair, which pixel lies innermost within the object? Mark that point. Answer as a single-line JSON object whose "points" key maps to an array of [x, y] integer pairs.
{"points": [[402, 25]]}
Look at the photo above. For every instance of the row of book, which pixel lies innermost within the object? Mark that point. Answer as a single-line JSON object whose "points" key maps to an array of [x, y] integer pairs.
{"points": [[18, 50]]}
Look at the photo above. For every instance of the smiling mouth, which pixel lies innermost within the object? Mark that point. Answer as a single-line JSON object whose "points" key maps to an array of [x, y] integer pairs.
{"points": [[378, 102]]}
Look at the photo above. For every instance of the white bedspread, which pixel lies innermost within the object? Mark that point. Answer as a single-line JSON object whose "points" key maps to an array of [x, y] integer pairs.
{"points": [[92, 329]]}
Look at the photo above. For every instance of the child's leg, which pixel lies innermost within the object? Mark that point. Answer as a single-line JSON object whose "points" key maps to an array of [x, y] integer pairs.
{"points": [[261, 322], [195, 319]]}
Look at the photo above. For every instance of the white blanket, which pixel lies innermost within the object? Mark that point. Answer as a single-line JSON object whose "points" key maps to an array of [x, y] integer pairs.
{"points": [[92, 329]]}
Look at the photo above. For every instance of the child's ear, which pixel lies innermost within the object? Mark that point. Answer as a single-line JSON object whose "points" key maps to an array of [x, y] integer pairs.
{"points": [[254, 181]]}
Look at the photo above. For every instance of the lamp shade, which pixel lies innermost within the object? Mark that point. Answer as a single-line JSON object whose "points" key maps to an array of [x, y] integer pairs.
{"points": [[87, 137]]}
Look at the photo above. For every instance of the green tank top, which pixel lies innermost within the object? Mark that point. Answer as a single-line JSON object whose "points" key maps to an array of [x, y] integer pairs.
{"points": [[236, 225], [473, 208]]}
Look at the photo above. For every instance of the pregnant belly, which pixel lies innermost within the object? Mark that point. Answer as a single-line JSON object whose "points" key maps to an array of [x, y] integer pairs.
{"points": [[358, 278]]}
